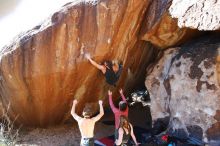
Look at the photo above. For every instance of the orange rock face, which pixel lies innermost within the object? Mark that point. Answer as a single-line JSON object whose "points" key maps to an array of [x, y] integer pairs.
{"points": [[43, 70], [165, 32], [161, 29]]}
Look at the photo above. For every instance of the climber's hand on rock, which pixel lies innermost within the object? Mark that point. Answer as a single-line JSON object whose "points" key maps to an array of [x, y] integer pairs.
{"points": [[87, 55]]}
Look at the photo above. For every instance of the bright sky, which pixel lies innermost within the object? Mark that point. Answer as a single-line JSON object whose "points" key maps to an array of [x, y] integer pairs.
{"points": [[26, 15]]}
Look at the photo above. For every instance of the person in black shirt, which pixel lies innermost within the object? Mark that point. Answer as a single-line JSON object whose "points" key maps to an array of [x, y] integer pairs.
{"points": [[111, 69], [125, 131]]}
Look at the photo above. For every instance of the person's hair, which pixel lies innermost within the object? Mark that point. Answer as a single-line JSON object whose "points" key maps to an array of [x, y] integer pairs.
{"points": [[87, 112], [122, 105], [115, 62], [124, 123]]}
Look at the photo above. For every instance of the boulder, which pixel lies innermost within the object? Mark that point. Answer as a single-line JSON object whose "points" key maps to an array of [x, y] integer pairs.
{"points": [[184, 84], [159, 28], [197, 14], [44, 69]]}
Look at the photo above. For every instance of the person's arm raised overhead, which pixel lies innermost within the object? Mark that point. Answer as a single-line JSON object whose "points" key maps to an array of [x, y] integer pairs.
{"points": [[101, 111], [133, 136], [122, 95], [73, 113], [110, 101], [100, 67]]}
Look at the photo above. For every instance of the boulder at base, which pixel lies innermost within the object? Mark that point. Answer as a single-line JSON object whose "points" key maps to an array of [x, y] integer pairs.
{"points": [[184, 84]]}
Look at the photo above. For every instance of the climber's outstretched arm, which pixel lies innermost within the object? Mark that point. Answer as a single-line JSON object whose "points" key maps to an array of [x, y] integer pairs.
{"points": [[100, 67]]}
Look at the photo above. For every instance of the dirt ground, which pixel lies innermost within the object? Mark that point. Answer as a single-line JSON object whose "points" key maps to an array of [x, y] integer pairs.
{"points": [[65, 135], [69, 134]]}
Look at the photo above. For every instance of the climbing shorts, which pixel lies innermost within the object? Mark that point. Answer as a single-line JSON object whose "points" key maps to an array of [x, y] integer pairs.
{"points": [[87, 142]]}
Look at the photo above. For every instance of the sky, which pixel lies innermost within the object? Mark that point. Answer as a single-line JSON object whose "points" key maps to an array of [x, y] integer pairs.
{"points": [[21, 15]]}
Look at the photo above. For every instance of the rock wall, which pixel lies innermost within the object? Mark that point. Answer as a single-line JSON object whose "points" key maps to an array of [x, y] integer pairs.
{"points": [[44, 69], [184, 84], [159, 28], [197, 14]]}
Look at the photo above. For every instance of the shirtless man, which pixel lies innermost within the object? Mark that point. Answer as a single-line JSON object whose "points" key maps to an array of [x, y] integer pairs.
{"points": [[87, 123]]}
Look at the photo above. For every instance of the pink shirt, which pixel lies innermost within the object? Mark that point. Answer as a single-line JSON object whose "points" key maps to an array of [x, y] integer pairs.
{"points": [[116, 111]]}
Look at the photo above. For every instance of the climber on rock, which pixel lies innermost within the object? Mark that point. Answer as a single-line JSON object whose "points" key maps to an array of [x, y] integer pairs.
{"points": [[87, 123], [111, 69]]}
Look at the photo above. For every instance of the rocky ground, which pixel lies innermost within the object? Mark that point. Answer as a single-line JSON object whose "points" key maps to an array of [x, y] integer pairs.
{"points": [[66, 135], [69, 135]]}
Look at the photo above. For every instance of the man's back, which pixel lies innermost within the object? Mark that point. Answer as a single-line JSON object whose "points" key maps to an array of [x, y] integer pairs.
{"points": [[87, 124], [86, 127]]}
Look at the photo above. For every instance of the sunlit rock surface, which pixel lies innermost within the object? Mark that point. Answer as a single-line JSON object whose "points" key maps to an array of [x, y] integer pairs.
{"points": [[185, 84], [161, 29], [197, 14], [45, 68]]}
